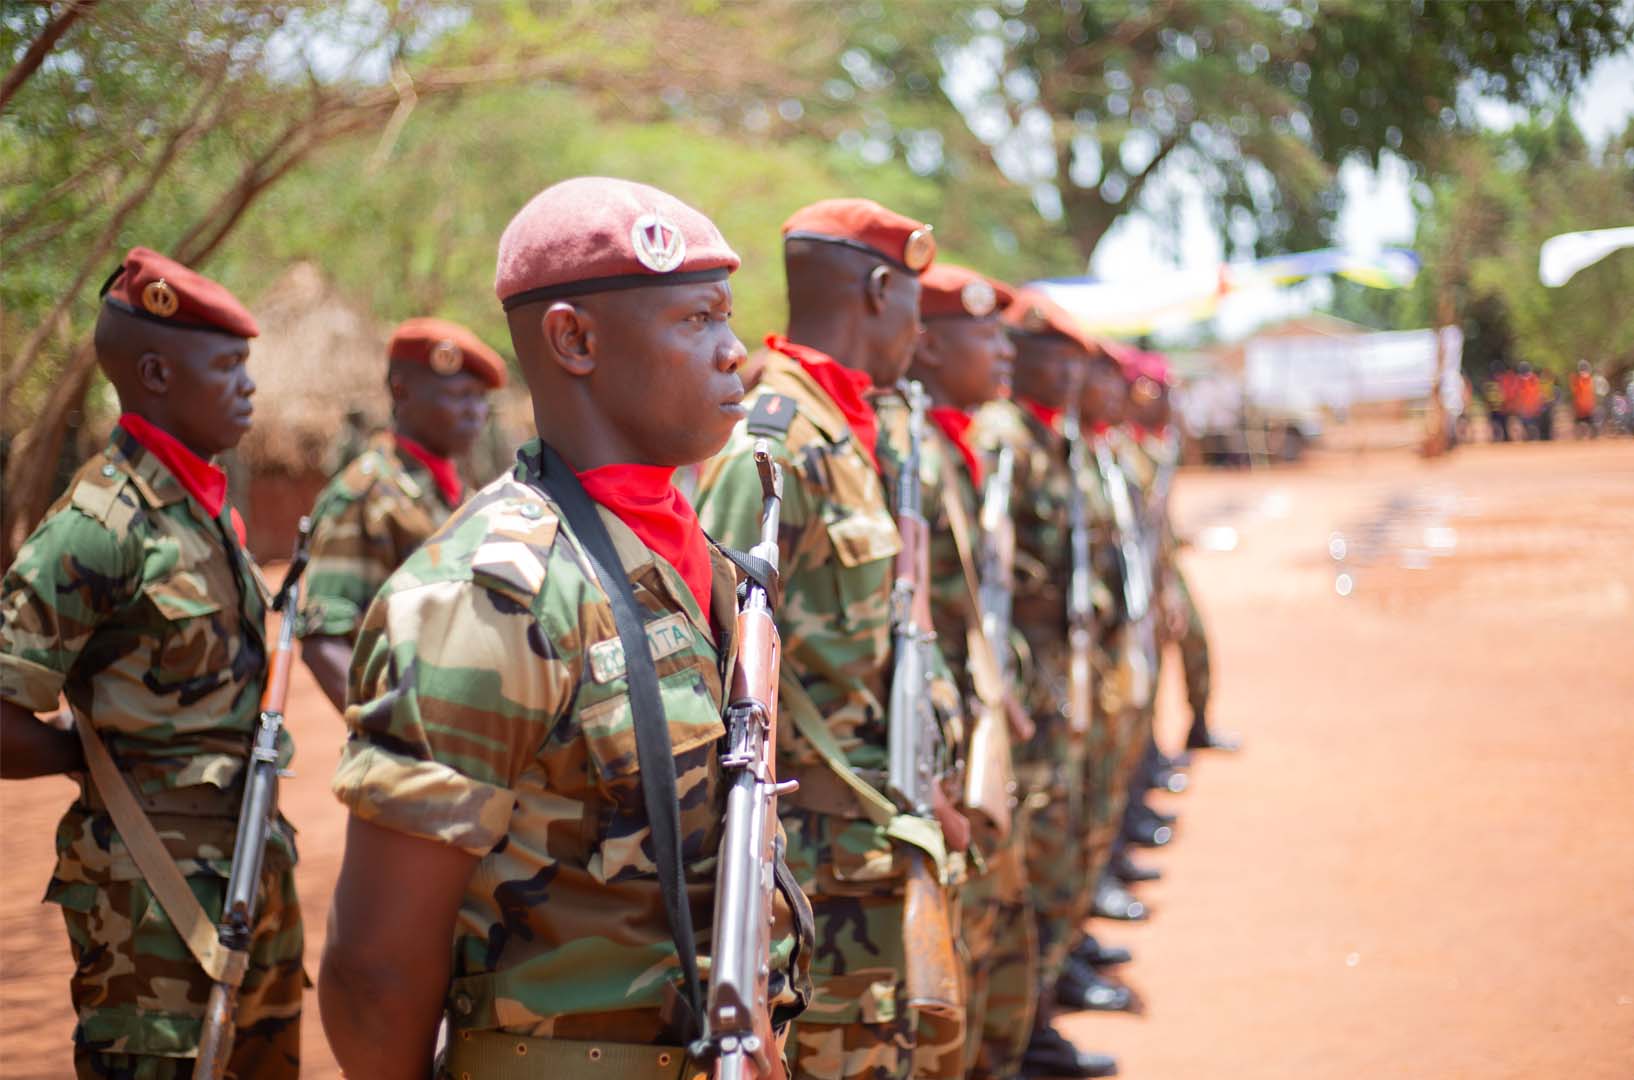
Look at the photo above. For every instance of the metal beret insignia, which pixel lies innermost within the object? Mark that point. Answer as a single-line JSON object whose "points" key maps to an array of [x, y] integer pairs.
{"points": [[978, 298], [658, 244], [917, 252], [446, 358], [160, 299]]}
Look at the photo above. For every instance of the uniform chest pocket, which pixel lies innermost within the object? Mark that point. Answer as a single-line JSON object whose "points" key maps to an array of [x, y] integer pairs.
{"points": [[192, 640], [620, 822], [865, 545], [608, 727]]}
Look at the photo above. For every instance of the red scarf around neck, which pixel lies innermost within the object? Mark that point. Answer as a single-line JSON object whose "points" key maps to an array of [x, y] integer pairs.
{"points": [[955, 424], [643, 497], [203, 480], [844, 386], [443, 470], [1099, 428], [1047, 415]]}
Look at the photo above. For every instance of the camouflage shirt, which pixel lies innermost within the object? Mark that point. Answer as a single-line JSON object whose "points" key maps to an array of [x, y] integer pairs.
{"points": [[1041, 506], [148, 616], [493, 714], [370, 516]]}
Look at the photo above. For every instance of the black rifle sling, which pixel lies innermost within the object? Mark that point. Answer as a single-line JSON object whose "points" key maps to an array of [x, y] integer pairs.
{"points": [[654, 753]]}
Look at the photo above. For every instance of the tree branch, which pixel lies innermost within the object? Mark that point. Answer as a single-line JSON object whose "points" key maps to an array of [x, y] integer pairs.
{"points": [[41, 47]]}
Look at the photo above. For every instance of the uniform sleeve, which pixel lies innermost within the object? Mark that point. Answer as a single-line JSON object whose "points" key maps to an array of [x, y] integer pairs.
{"points": [[458, 687], [72, 574], [346, 571]]}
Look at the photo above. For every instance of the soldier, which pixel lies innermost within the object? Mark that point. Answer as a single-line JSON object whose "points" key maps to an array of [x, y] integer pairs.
{"points": [[853, 284], [1050, 354], [512, 857], [963, 360], [1154, 436], [387, 500], [136, 600]]}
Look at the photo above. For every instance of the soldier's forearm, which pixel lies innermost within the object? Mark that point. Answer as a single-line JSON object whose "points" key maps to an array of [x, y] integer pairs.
{"points": [[328, 658], [29, 746]]}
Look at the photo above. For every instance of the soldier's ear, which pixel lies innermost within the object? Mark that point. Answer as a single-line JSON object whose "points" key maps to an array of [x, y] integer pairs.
{"points": [[569, 332], [153, 371], [879, 282]]}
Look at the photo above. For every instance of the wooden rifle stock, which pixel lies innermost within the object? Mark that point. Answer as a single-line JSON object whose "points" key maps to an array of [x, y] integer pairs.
{"points": [[255, 818]]}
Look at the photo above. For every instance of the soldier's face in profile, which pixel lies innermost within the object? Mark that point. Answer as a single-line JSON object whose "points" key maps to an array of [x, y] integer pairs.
{"points": [[444, 413], [1046, 370], [667, 368], [975, 358], [1105, 393], [208, 390]]}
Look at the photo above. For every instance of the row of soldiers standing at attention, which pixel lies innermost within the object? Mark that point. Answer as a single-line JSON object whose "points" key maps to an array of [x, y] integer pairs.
{"points": [[542, 679]]}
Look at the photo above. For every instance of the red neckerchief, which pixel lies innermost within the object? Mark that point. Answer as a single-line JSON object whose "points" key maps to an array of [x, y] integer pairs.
{"points": [[1046, 415], [843, 386], [206, 482], [443, 470], [1099, 428], [955, 424], [643, 497]]}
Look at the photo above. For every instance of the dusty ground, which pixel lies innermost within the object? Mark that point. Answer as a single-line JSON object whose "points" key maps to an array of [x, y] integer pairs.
{"points": [[1419, 867]]}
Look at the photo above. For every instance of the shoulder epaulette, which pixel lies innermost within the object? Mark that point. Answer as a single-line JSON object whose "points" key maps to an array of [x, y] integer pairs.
{"points": [[97, 494], [512, 556], [771, 415]]}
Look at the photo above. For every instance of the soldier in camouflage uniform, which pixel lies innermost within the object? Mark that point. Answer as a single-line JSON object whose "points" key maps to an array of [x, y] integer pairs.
{"points": [[385, 502], [500, 864], [963, 360], [1157, 440], [852, 269], [1051, 352], [136, 600]]}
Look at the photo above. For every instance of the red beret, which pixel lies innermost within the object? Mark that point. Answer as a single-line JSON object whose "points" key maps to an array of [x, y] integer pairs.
{"points": [[866, 225], [446, 347], [1155, 366], [162, 290], [1031, 312], [597, 234], [946, 290]]}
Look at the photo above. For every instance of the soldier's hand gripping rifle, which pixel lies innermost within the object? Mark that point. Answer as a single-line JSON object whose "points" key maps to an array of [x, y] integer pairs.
{"points": [[739, 1039], [914, 744], [255, 818]]}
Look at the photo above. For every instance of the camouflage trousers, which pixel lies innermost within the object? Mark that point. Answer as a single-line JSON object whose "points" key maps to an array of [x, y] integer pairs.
{"points": [[859, 1023], [1001, 943], [1193, 650], [140, 995]]}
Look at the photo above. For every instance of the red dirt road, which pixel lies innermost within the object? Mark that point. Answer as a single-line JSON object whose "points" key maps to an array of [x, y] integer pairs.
{"points": [[1419, 867]]}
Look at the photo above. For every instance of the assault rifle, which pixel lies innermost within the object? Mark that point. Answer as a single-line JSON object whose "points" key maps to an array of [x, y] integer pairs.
{"points": [[913, 744], [1137, 570], [255, 818], [738, 1013], [1080, 604]]}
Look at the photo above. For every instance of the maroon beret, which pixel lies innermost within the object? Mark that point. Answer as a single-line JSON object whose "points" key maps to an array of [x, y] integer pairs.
{"points": [[162, 290], [1031, 312], [446, 347], [866, 225], [597, 234], [949, 291]]}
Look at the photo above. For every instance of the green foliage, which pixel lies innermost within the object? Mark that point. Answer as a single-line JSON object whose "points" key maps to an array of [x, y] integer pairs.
{"points": [[1485, 224], [417, 235], [1254, 103]]}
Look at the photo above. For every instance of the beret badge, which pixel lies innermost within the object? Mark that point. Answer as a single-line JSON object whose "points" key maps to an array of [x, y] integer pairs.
{"points": [[160, 299], [918, 251], [1035, 321], [658, 243], [978, 298], [446, 358]]}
